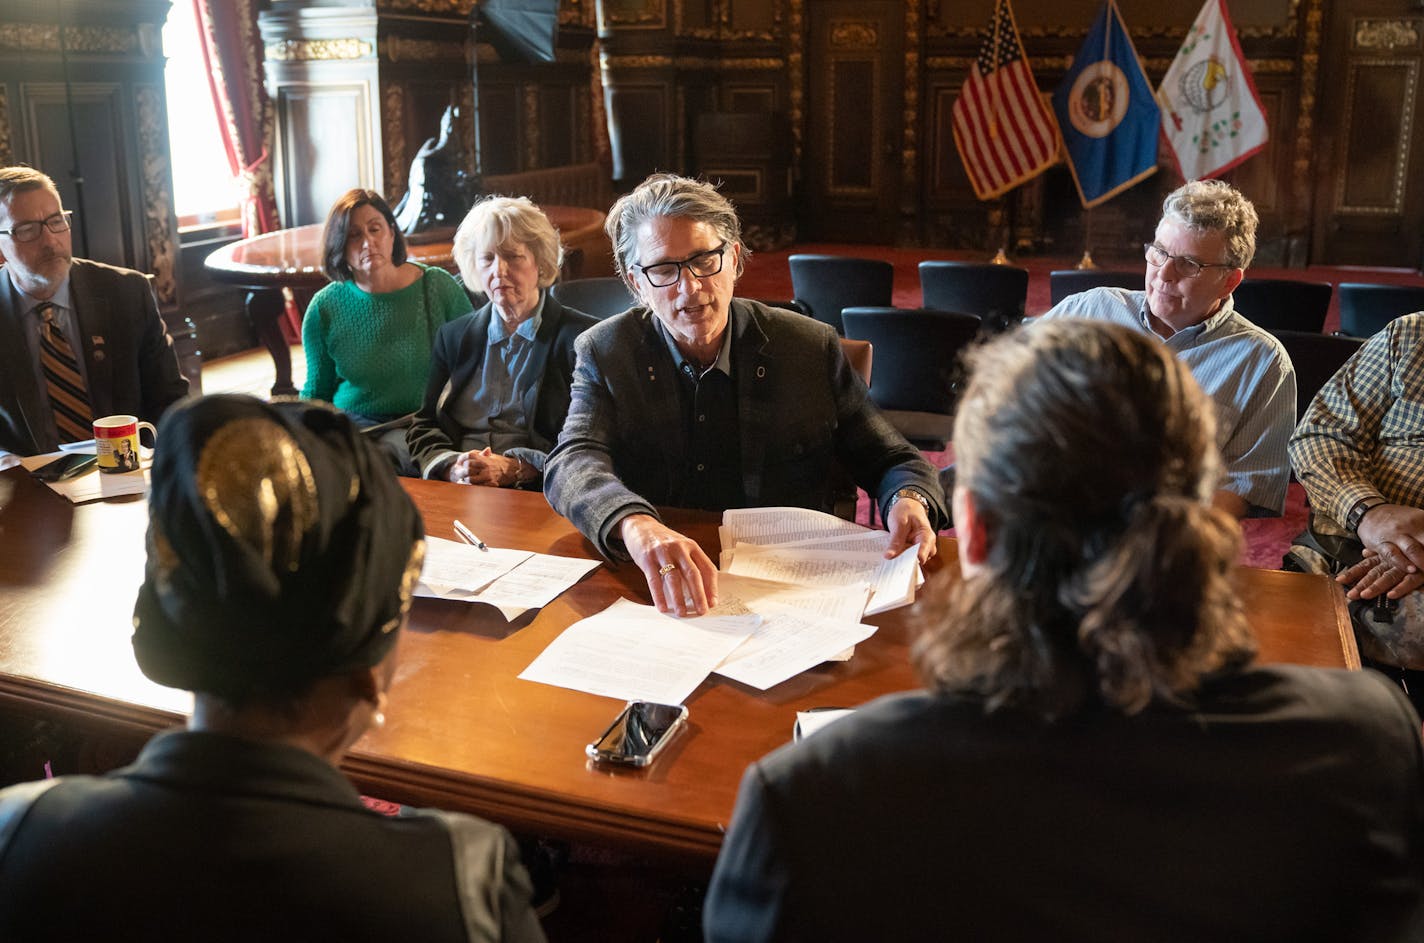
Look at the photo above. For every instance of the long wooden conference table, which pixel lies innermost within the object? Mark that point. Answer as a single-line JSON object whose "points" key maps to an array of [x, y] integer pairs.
{"points": [[463, 732]]}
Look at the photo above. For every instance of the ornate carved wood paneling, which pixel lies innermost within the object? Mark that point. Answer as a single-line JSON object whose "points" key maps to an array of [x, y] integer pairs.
{"points": [[113, 58], [1369, 205]]}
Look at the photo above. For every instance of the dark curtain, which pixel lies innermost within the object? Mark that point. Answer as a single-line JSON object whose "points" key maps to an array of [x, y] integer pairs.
{"points": [[232, 48]]}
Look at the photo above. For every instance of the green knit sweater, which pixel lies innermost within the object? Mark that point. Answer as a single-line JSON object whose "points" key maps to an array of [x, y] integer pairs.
{"points": [[370, 354]]}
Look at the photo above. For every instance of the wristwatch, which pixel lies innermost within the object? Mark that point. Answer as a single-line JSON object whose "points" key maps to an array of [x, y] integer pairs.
{"points": [[1357, 513], [909, 493]]}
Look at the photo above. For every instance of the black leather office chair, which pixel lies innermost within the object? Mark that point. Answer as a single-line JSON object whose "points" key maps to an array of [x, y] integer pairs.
{"points": [[995, 293], [1284, 304], [825, 284], [1316, 357], [918, 375], [596, 297], [1365, 309], [1065, 282]]}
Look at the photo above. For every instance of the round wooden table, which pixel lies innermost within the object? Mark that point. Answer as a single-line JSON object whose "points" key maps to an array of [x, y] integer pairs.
{"points": [[291, 258]]}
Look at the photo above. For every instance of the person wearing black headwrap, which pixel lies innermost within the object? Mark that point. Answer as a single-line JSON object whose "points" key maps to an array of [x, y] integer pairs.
{"points": [[282, 555]]}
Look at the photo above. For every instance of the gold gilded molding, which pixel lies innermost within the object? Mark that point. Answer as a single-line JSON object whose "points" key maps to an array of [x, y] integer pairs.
{"points": [[858, 34], [1301, 164], [459, 7], [637, 62], [531, 127], [6, 154], [699, 63], [1401, 155], [910, 147], [635, 14], [160, 233], [797, 92], [318, 50], [401, 49], [44, 37], [1272, 66], [1386, 34], [393, 142]]}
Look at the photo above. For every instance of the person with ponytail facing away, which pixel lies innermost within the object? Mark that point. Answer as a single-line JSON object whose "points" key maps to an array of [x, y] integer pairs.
{"points": [[1095, 756]]}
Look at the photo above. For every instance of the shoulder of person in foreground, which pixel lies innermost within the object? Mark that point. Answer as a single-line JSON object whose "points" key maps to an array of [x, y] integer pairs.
{"points": [[493, 886], [1094, 303]]}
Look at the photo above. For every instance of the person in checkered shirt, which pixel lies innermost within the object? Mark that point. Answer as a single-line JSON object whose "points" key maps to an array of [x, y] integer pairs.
{"points": [[1359, 452]]}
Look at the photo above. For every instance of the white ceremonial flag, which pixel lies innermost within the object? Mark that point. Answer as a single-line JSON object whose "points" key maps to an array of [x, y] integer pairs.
{"points": [[1211, 115]]}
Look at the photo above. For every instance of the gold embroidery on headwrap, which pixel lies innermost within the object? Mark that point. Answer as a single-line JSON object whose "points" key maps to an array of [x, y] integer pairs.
{"points": [[407, 585], [256, 483]]}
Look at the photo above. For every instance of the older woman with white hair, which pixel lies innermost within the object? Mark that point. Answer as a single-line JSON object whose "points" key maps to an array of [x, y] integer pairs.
{"points": [[500, 376]]}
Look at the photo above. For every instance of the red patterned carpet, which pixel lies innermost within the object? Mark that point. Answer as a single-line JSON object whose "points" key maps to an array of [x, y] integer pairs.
{"points": [[1266, 539]]}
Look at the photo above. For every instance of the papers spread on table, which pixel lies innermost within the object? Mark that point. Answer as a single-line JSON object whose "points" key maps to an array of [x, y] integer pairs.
{"points": [[808, 722], [513, 581], [892, 581], [633, 652], [93, 484], [781, 525], [787, 643]]}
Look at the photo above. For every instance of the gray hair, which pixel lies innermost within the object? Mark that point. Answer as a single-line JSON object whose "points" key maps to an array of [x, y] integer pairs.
{"points": [[670, 195], [498, 221], [19, 179], [1216, 206]]}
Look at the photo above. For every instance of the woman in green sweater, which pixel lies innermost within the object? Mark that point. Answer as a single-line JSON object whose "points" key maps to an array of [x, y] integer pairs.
{"points": [[368, 334]]}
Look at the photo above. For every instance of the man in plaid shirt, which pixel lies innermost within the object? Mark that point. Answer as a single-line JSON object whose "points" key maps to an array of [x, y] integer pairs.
{"points": [[1359, 452]]}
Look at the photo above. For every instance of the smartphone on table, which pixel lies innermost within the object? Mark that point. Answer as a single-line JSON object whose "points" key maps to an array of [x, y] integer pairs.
{"points": [[65, 467], [638, 734]]}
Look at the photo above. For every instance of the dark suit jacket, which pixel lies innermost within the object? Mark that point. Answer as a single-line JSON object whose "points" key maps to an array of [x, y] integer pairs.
{"points": [[208, 837], [1288, 806], [128, 356], [459, 353], [801, 411]]}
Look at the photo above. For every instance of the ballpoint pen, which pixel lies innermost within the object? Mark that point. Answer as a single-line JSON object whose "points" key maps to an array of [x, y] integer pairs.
{"points": [[468, 536]]}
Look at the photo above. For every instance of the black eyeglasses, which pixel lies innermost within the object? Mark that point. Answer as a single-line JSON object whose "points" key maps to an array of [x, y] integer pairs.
{"points": [[1186, 266], [29, 232], [702, 265]]}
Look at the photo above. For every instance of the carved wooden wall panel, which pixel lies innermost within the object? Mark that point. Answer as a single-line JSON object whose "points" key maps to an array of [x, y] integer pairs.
{"points": [[115, 69], [1370, 203]]}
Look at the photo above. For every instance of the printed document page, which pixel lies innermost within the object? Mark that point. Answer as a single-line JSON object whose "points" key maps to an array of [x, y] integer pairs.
{"points": [[893, 581], [534, 583], [633, 652], [459, 571], [843, 603], [787, 643], [779, 525]]}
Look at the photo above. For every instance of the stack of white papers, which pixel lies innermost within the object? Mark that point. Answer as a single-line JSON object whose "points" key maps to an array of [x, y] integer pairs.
{"points": [[513, 581], [93, 484], [633, 652]]}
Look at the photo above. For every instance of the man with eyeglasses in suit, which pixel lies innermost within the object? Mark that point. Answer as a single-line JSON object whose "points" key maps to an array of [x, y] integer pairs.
{"points": [[1199, 254], [695, 398], [78, 339]]}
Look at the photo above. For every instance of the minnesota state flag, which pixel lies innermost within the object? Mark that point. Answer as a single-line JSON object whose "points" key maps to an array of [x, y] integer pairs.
{"points": [[1211, 114], [1108, 116]]}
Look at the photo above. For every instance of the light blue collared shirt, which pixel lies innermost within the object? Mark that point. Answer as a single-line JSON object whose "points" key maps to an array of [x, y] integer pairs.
{"points": [[1243, 369], [490, 408]]}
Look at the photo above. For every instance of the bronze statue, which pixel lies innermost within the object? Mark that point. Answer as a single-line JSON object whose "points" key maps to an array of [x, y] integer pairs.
{"points": [[440, 189]]}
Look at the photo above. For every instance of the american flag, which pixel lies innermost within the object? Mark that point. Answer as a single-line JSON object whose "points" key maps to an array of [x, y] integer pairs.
{"points": [[1005, 132]]}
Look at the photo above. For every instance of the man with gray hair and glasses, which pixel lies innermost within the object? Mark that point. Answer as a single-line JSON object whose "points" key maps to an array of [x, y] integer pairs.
{"points": [[1199, 254], [78, 340], [694, 398]]}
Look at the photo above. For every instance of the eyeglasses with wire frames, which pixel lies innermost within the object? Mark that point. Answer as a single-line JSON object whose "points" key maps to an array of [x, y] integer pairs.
{"points": [[1186, 266], [29, 232], [701, 265]]}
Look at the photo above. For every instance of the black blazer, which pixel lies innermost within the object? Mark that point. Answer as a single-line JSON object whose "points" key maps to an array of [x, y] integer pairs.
{"points": [[217, 838], [1286, 805], [459, 352], [128, 356], [801, 411]]}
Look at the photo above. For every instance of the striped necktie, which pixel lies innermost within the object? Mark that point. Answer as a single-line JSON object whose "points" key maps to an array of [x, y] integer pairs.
{"points": [[73, 416]]}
